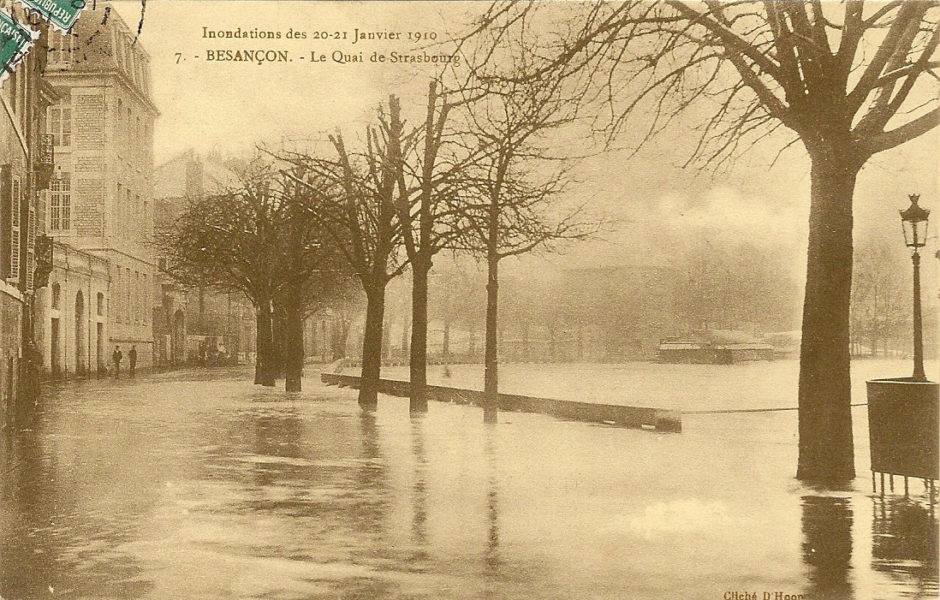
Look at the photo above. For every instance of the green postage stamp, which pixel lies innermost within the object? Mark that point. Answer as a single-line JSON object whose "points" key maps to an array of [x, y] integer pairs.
{"points": [[60, 13], [15, 41]]}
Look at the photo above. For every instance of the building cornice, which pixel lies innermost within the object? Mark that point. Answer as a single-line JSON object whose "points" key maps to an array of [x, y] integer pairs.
{"points": [[60, 77], [11, 290], [122, 253]]}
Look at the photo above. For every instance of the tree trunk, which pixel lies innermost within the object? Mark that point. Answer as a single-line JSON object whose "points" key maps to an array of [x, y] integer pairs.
{"points": [[278, 340], [293, 344], [264, 369], [372, 347], [490, 359], [825, 417], [445, 345], [419, 337]]}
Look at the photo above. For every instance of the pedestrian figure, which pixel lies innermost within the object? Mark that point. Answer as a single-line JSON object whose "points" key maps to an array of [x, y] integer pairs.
{"points": [[132, 359], [116, 357]]}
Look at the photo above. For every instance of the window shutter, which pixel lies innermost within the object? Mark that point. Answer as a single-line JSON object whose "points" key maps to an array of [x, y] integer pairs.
{"points": [[16, 199], [31, 247], [6, 185]]}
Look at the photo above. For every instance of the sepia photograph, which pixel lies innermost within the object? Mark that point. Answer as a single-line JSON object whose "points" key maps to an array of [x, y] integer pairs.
{"points": [[452, 299]]}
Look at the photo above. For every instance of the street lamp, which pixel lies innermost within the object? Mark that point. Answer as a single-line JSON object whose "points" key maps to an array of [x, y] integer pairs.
{"points": [[914, 224]]}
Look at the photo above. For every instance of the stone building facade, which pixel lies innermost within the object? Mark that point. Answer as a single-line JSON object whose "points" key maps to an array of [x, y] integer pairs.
{"points": [[72, 323], [25, 168], [100, 202]]}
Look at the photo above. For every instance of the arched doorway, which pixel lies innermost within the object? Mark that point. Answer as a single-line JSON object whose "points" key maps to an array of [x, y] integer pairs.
{"points": [[79, 333]]}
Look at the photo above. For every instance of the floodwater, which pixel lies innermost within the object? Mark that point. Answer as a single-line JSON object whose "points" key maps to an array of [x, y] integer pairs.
{"points": [[177, 486]]}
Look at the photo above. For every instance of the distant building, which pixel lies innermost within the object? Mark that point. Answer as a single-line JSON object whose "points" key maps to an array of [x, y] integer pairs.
{"points": [[197, 325], [100, 201], [25, 168]]}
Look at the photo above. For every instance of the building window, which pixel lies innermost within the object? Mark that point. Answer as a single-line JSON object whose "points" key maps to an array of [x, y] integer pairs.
{"points": [[60, 203], [64, 46], [60, 125], [125, 53], [31, 246], [56, 295], [118, 52], [100, 304]]}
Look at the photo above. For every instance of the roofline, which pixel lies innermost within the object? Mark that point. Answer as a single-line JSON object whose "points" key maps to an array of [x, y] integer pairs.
{"points": [[121, 23], [179, 155]]}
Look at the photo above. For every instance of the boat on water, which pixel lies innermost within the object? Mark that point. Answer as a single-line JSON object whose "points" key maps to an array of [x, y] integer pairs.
{"points": [[718, 347]]}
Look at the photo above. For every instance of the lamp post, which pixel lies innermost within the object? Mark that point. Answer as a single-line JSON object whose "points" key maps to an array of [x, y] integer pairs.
{"points": [[914, 225]]}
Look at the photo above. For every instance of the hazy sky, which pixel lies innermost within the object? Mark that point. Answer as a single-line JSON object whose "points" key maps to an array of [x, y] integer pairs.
{"points": [[229, 106]]}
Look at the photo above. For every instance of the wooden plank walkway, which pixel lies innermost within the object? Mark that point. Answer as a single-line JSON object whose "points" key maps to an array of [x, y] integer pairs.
{"points": [[625, 416]]}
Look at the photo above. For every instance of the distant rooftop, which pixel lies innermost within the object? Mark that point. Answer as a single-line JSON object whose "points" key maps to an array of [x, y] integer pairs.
{"points": [[172, 178]]}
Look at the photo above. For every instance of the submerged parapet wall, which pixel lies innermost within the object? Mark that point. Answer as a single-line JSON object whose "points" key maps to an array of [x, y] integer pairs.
{"points": [[626, 416]]}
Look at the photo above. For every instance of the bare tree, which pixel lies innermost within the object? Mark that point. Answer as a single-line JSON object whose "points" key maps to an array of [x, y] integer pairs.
{"points": [[844, 78], [517, 185], [312, 269], [253, 239], [428, 178], [226, 241], [360, 218]]}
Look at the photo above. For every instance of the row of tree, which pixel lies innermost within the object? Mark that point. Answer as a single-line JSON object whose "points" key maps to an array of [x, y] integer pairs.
{"points": [[302, 224]]}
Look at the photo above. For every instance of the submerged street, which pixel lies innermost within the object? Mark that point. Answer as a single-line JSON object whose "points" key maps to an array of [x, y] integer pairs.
{"points": [[178, 486]]}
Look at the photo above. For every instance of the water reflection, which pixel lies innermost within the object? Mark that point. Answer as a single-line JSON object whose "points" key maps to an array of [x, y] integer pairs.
{"points": [[372, 481], [277, 435], [827, 546], [49, 540], [419, 492], [904, 542], [29, 556], [491, 556]]}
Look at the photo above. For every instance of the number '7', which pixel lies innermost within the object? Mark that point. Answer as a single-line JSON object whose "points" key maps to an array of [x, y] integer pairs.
{"points": [[179, 56]]}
